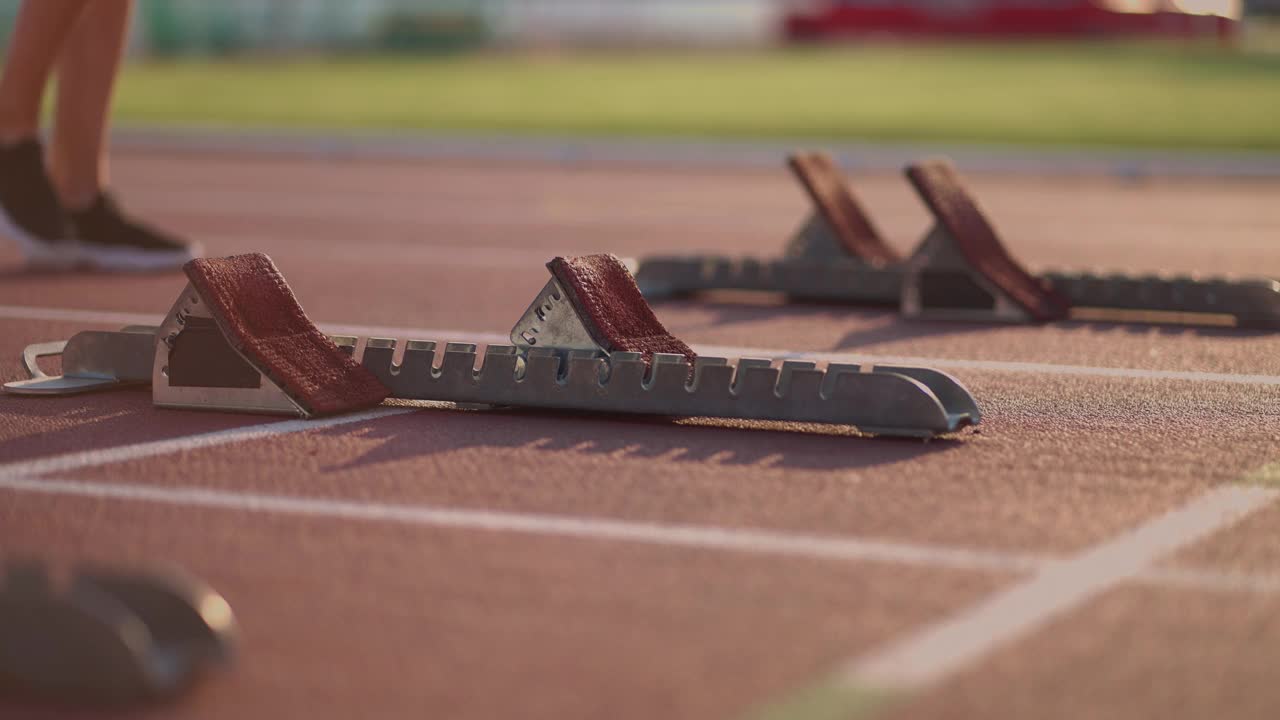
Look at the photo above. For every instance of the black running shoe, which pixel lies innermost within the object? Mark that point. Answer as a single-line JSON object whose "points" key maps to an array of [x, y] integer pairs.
{"points": [[107, 239], [29, 208]]}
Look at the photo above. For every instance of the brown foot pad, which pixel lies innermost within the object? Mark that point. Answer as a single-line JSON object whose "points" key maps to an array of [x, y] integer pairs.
{"points": [[257, 312], [612, 308], [956, 210], [835, 200]]}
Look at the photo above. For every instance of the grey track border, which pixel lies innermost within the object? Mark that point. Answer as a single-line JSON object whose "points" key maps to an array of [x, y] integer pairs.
{"points": [[673, 152]]}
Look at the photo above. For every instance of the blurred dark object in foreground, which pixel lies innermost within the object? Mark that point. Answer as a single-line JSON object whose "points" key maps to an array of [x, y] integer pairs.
{"points": [[107, 637]]}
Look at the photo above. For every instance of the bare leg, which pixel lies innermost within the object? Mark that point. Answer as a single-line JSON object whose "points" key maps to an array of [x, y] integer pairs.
{"points": [[87, 73], [109, 238], [40, 32]]}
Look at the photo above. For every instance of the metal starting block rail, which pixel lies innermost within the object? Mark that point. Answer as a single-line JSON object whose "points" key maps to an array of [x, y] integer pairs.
{"points": [[567, 352], [960, 270]]}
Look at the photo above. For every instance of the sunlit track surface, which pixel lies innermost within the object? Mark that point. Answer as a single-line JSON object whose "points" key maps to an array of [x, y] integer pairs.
{"points": [[477, 564]]}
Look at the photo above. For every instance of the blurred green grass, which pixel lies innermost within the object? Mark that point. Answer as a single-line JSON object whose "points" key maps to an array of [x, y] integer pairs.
{"points": [[1132, 95]]}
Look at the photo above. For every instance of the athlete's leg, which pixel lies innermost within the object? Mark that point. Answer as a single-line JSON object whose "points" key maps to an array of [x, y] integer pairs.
{"points": [[38, 35], [87, 72], [30, 212], [108, 238]]}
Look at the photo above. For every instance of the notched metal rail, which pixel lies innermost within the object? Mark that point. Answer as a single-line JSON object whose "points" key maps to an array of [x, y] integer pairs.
{"points": [[882, 400], [915, 402], [1252, 304]]}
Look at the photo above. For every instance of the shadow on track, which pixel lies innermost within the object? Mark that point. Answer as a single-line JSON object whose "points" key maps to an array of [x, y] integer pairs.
{"points": [[101, 421], [884, 326], [1162, 329], [718, 443], [721, 309]]}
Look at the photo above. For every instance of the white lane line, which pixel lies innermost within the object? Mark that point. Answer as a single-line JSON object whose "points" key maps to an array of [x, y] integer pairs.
{"points": [[616, 154], [687, 536], [18, 312], [22, 312], [139, 451], [1211, 580], [938, 650], [744, 540], [439, 256]]}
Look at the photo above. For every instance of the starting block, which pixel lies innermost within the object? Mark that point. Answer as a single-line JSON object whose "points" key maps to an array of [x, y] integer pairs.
{"points": [[237, 340], [108, 636], [961, 269]]}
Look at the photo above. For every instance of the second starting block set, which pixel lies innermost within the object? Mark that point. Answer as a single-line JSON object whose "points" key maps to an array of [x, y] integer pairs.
{"points": [[961, 270]]}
